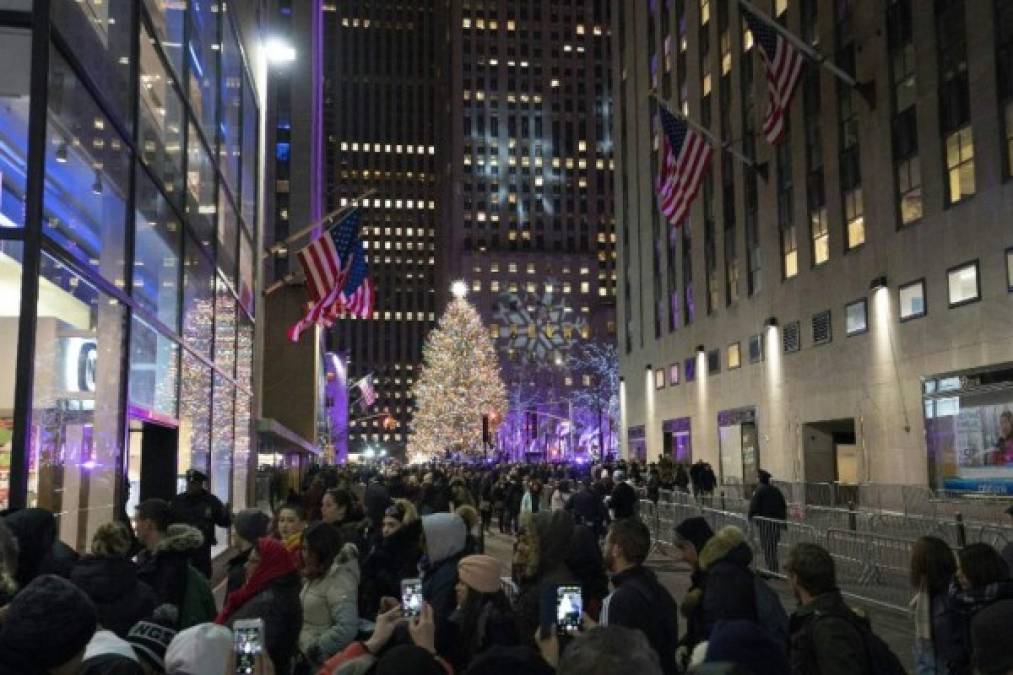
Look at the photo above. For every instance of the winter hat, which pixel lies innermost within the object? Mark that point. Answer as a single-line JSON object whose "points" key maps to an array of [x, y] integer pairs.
{"points": [[409, 660], [48, 623], [251, 524], [696, 531], [150, 641], [199, 650], [990, 631], [481, 572], [746, 643]]}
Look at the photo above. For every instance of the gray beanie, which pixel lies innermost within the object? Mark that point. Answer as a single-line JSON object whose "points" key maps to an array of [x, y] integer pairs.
{"points": [[251, 524]]}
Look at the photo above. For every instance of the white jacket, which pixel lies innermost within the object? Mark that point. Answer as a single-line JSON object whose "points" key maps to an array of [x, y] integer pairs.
{"points": [[330, 608]]}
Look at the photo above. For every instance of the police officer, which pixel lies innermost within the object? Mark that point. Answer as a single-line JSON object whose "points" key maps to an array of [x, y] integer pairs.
{"points": [[201, 509]]}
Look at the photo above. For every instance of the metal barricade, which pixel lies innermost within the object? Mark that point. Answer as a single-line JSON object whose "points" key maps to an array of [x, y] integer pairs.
{"points": [[717, 519], [772, 539], [872, 566]]}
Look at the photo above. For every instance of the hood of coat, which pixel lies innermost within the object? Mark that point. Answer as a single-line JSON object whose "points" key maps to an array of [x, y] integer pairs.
{"points": [[729, 544], [180, 538], [445, 536], [105, 579], [35, 531], [406, 539], [347, 561]]}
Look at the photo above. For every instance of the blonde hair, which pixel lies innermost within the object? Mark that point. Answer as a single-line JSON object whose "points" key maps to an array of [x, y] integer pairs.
{"points": [[111, 541]]}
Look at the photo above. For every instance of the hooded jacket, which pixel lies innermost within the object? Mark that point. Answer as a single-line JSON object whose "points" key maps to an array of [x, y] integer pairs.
{"points": [[445, 538], [119, 597], [549, 541], [165, 569], [39, 550], [330, 617], [724, 588], [395, 558]]}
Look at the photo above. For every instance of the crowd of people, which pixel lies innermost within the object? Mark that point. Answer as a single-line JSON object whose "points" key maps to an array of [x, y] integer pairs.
{"points": [[330, 577]]}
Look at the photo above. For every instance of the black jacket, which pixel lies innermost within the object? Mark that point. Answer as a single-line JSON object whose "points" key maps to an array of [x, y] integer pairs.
{"points": [[237, 571], [588, 509], [202, 511], [280, 608], [120, 599], [39, 549], [640, 602], [624, 500], [395, 558], [724, 586], [165, 569], [768, 502], [824, 642]]}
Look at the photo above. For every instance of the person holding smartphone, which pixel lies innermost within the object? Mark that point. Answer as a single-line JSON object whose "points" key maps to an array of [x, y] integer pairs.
{"points": [[483, 617]]}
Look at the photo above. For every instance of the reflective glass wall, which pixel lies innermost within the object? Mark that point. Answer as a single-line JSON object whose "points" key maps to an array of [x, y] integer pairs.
{"points": [[131, 186]]}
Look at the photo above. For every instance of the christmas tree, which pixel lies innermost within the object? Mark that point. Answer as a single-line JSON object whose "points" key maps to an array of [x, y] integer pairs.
{"points": [[459, 383]]}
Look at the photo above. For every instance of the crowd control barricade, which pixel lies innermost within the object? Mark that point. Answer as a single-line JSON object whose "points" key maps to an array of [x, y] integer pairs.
{"points": [[772, 539], [872, 566]]}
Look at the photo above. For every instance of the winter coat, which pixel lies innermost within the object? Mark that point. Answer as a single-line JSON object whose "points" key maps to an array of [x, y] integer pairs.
{"points": [[514, 494], [640, 602], [584, 559], [559, 499], [956, 617], [203, 511], [278, 606], [624, 500], [724, 587], [588, 509], [395, 558], [120, 599], [39, 549], [330, 611], [552, 533], [237, 571], [532, 502], [823, 642], [768, 502], [165, 569], [375, 499], [445, 540]]}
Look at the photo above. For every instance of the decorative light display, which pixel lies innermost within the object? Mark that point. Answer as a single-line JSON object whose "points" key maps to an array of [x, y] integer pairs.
{"points": [[538, 329]]}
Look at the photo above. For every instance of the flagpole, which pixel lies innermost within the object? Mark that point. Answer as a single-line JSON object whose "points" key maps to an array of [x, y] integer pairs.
{"points": [[278, 246], [720, 144], [865, 89]]}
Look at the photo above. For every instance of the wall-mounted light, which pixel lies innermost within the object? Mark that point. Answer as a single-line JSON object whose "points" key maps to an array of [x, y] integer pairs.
{"points": [[649, 367], [700, 349], [278, 51], [878, 283], [61, 152], [97, 187], [771, 322], [622, 379]]}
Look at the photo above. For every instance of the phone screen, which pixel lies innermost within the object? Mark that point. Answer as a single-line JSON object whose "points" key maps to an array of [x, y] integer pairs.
{"points": [[411, 597], [569, 609], [248, 644]]}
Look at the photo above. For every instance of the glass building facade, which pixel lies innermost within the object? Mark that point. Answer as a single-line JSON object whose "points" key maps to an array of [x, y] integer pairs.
{"points": [[128, 227]]}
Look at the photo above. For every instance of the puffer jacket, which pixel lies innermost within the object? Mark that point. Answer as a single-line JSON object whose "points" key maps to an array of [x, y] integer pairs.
{"points": [[330, 612], [165, 569], [724, 587], [120, 599]]}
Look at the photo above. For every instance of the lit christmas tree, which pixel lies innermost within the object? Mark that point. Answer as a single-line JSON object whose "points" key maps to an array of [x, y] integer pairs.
{"points": [[459, 383]]}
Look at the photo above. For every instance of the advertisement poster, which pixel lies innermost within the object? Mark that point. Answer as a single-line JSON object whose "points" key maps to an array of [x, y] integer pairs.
{"points": [[973, 447]]}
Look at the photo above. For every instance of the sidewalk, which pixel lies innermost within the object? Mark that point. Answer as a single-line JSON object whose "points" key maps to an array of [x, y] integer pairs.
{"points": [[894, 627]]}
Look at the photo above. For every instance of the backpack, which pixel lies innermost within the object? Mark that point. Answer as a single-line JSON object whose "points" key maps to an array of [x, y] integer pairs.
{"points": [[881, 659], [198, 602]]}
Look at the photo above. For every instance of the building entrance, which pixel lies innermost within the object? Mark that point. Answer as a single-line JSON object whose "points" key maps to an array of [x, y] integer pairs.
{"points": [[830, 455], [151, 463]]}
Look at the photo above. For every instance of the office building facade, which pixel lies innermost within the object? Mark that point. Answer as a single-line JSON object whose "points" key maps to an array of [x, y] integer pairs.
{"points": [[840, 317], [130, 202]]}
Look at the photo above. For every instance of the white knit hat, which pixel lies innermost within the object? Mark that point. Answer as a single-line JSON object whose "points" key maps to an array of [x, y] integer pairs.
{"points": [[199, 650]]}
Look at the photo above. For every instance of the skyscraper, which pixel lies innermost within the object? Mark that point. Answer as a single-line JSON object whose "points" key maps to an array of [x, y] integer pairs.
{"points": [[529, 190]]}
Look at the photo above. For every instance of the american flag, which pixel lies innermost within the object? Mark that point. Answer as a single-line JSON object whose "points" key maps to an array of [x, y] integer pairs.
{"points": [[368, 393], [356, 296], [784, 66], [685, 155], [322, 259]]}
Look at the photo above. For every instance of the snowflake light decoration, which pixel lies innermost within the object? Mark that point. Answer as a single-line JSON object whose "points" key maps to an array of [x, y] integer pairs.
{"points": [[538, 330]]}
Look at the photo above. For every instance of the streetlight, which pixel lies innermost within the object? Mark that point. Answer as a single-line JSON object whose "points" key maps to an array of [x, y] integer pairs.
{"points": [[278, 51]]}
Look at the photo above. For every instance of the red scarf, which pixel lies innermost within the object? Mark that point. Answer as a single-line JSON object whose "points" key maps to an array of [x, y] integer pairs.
{"points": [[275, 562]]}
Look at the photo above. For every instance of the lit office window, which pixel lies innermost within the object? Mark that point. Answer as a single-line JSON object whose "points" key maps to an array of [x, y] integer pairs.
{"points": [[659, 378], [963, 285], [734, 355], [856, 317], [912, 300], [960, 164]]}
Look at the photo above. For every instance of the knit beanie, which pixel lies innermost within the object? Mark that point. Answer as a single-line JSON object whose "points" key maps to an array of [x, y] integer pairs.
{"points": [[199, 650], [481, 572], [48, 623], [746, 643], [150, 641], [251, 524], [696, 531]]}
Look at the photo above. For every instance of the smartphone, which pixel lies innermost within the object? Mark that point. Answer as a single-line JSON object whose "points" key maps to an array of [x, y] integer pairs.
{"points": [[248, 636], [411, 597], [569, 610]]}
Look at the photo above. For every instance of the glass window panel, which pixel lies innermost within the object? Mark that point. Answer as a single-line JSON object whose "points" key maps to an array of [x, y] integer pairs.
{"points": [[225, 328], [15, 53], [10, 309], [963, 284], [156, 254], [167, 19], [1009, 269], [659, 378], [154, 367], [241, 456], [856, 317], [247, 265], [673, 374], [198, 298], [912, 300], [76, 423], [228, 238], [161, 120], [249, 158], [231, 100], [101, 32], [244, 354], [204, 62], [87, 176], [221, 451], [200, 189], [194, 415], [734, 355]]}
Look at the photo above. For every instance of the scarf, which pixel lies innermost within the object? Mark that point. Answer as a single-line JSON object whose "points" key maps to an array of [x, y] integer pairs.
{"points": [[275, 562], [921, 604]]}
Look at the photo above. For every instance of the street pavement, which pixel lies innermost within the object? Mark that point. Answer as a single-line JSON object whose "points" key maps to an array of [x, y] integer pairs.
{"points": [[896, 628]]}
